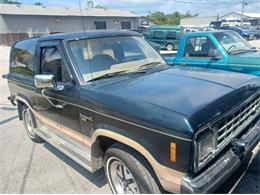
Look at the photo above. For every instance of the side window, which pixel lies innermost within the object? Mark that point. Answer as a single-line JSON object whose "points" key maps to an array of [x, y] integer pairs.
{"points": [[52, 63], [198, 47], [22, 61], [171, 35], [158, 34]]}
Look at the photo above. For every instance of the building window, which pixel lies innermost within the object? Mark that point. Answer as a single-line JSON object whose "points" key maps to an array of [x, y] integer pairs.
{"points": [[100, 25], [125, 25]]}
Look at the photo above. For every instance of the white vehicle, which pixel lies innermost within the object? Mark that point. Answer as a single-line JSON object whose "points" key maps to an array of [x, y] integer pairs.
{"points": [[190, 30]]}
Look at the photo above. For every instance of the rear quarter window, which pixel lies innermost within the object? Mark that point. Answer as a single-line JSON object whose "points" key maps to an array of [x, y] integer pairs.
{"points": [[22, 57], [171, 35]]}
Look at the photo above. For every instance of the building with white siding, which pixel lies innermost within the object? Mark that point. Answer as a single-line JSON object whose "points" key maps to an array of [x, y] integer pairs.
{"points": [[31, 18]]}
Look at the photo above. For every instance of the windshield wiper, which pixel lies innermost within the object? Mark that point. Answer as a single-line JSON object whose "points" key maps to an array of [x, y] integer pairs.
{"points": [[108, 75], [254, 49], [119, 73], [240, 51], [148, 65]]}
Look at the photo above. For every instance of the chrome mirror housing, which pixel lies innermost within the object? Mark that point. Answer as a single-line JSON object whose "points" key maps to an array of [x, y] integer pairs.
{"points": [[44, 81]]}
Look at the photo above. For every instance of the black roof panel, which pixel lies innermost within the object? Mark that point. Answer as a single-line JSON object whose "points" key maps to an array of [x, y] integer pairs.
{"points": [[88, 35]]}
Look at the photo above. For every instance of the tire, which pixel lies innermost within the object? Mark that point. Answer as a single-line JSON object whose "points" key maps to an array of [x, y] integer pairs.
{"points": [[29, 124], [170, 47], [127, 173]]}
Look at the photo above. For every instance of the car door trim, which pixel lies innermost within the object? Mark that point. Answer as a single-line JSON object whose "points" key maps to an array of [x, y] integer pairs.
{"points": [[122, 120]]}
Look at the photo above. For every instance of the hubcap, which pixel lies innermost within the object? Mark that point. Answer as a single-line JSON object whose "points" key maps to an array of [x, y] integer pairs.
{"points": [[28, 122], [169, 47], [120, 177]]}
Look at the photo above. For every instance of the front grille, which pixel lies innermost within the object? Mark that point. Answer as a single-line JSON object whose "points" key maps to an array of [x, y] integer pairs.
{"points": [[237, 120]]}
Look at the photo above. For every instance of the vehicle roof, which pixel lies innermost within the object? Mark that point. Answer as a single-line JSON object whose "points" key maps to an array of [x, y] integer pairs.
{"points": [[88, 35], [176, 27], [204, 33]]}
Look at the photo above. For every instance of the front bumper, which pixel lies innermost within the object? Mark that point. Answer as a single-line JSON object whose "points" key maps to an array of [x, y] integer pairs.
{"points": [[214, 176]]}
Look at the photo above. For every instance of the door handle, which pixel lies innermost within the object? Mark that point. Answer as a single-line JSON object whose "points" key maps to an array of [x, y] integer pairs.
{"points": [[236, 69], [59, 106]]}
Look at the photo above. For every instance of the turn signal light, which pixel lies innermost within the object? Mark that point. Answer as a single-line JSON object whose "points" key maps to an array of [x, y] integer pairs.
{"points": [[173, 152]]}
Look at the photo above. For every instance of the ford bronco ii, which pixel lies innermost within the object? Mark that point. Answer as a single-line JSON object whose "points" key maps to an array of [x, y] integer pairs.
{"points": [[108, 99]]}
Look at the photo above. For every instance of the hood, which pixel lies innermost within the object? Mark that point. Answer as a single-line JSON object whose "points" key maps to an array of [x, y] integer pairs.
{"points": [[168, 95], [246, 58]]}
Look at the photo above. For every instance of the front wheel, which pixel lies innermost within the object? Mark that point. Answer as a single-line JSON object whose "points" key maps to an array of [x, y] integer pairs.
{"points": [[170, 47], [28, 121], [126, 174]]}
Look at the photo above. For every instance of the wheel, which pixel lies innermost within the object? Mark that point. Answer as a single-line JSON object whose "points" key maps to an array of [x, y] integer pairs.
{"points": [[28, 121], [126, 174], [170, 47]]}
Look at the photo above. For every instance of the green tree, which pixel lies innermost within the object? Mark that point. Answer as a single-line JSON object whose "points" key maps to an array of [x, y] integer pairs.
{"points": [[157, 17], [168, 19], [10, 2]]}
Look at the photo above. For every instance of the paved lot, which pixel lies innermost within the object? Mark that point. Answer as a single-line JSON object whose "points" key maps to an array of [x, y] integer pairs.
{"points": [[26, 167]]}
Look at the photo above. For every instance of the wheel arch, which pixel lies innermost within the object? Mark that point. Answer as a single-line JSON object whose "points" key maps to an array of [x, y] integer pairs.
{"points": [[105, 140], [167, 178], [20, 105]]}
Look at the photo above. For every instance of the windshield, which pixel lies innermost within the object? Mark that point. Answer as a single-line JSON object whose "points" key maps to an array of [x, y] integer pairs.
{"points": [[101, 56], [232, 42]]}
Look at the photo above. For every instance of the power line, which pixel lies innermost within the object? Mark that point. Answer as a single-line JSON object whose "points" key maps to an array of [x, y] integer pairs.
{"points": [[203, 2]]}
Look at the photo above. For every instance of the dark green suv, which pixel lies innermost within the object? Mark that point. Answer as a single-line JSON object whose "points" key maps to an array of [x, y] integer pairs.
{"points": [[107, 98]]}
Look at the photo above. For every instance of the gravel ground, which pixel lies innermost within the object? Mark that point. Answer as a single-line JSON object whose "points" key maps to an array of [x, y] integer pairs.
{"points": [[26, 167]]}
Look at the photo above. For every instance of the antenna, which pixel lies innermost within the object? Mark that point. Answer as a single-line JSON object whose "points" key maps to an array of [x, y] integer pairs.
{"points": [[81, 13]]}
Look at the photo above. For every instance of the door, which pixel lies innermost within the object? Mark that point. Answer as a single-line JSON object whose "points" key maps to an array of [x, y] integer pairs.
{"points": [[56, 106], [171, 38], [158, 36], [198, 52]]}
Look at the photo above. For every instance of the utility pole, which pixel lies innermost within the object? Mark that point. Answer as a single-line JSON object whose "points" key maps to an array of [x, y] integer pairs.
{"points": [[244, 3]]}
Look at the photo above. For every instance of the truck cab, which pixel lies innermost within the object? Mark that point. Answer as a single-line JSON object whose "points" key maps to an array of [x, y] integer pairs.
{"points": [[223, 50]]}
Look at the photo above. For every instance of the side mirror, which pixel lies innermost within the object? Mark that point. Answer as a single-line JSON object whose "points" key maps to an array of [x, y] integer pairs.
{"points": [[44, 81], [213, 53]]}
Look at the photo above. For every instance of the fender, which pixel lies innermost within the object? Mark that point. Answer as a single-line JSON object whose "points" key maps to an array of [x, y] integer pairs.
{"points": [[170, 179]]}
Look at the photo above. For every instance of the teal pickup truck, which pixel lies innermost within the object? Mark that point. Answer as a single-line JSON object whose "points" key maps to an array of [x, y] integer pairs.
{"points": [[224, 50]]}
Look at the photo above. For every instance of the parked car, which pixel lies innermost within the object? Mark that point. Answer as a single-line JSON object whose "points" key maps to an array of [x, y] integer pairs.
{"points": [[107, 98], [245, 33], [224, 50], [190, 30], [255, 31], [167, 36], [215, 24]]}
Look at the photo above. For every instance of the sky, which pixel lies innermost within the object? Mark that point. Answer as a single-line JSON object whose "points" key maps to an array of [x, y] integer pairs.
{"points": [[143, 7]]}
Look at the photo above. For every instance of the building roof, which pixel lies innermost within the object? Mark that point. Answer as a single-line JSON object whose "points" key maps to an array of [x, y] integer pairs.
{"points": [[10, 9], [246, 14], [88, 35]]}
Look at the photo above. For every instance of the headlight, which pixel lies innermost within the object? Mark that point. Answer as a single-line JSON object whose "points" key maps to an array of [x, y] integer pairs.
{"points": [[206, 144]]}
